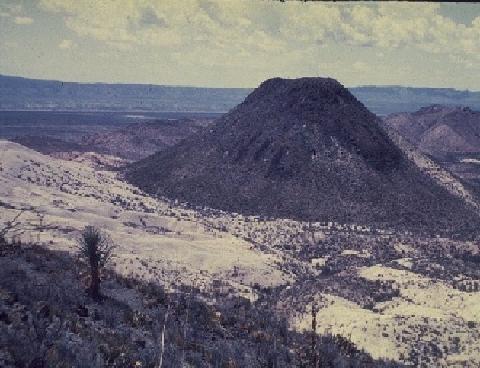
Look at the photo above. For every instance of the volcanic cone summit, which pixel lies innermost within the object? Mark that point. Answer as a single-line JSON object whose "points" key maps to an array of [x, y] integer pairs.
{"points": [[300, 148]]}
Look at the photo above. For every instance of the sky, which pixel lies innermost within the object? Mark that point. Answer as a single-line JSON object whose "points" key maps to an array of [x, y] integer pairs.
{"points": [[241, 43]]}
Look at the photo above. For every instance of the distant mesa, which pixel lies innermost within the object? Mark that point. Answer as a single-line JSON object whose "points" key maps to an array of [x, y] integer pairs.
{"points": [[305, 149], [18, 93]]}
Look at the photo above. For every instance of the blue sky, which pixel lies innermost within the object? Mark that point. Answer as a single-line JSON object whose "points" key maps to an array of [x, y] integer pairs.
{"points": [[240, 43]]}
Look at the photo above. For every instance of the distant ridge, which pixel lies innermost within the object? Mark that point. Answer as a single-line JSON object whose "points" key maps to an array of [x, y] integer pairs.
{"points": [[17, 93], [302, 148], [384, 100], [438, 129], [449, 134]]}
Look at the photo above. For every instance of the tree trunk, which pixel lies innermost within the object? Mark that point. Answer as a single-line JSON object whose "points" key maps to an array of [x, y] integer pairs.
{"points": [[182, 359], [95, 281], [162, 338], [314, 337]]}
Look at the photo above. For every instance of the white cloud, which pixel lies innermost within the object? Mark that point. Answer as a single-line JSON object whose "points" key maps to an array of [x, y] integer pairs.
{"points": [[66, 44], [23, 20], [142, 21], [234, 32]]}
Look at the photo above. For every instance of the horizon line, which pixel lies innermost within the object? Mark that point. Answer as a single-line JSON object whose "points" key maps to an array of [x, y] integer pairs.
{"points": [[243, 88]]}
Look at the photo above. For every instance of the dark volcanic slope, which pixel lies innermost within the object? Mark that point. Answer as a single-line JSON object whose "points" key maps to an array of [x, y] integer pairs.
{"points": [[304, 148], [139, 140], [450, 134], [438, 129], [47, 144], [133, 142]]}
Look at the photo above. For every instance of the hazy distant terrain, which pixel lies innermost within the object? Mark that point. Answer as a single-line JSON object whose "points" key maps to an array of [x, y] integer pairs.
{"points": [[73, 125], [383, 100], [30, 94], [96, 135]]}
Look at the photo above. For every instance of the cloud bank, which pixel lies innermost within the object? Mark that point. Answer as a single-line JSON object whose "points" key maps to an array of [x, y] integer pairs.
{"points": [[241, 42], [251, 27]]}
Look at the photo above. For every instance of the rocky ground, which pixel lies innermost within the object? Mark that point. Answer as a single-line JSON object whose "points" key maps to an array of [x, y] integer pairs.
{"points": [[47, 320], [249, 282]]}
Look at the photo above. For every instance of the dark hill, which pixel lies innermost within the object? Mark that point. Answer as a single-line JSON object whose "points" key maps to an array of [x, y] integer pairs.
{"points": [[439, 129], [131, 142], [47, 145], [449, 134], [139, 140], [303, 148]]}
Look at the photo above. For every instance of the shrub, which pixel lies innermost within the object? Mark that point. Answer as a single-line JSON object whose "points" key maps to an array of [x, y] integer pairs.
{"points": [[96, 248]]}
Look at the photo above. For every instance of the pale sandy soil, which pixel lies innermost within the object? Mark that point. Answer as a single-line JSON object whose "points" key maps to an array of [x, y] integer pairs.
{"points": [[92, 159], [426, 312], [151, 236], [470, 161], [170, 244]]}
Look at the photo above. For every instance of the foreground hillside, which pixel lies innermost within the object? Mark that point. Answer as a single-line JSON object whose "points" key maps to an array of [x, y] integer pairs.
{"points": [[306, 149], [69, 195], [242, 287], [42, 302]]}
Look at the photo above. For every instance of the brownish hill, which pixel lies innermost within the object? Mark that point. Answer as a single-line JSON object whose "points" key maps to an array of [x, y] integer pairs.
{"points": [[449, 134]]}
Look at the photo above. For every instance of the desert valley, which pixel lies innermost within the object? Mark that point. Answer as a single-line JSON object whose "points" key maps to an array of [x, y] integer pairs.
{"points": [[253, 184], [389, 283]]}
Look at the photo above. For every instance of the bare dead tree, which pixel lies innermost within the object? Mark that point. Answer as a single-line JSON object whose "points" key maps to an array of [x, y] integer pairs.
{"points": [[189, 300], [314, 336], [10, 226], [162, 336], [96, 248]]}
